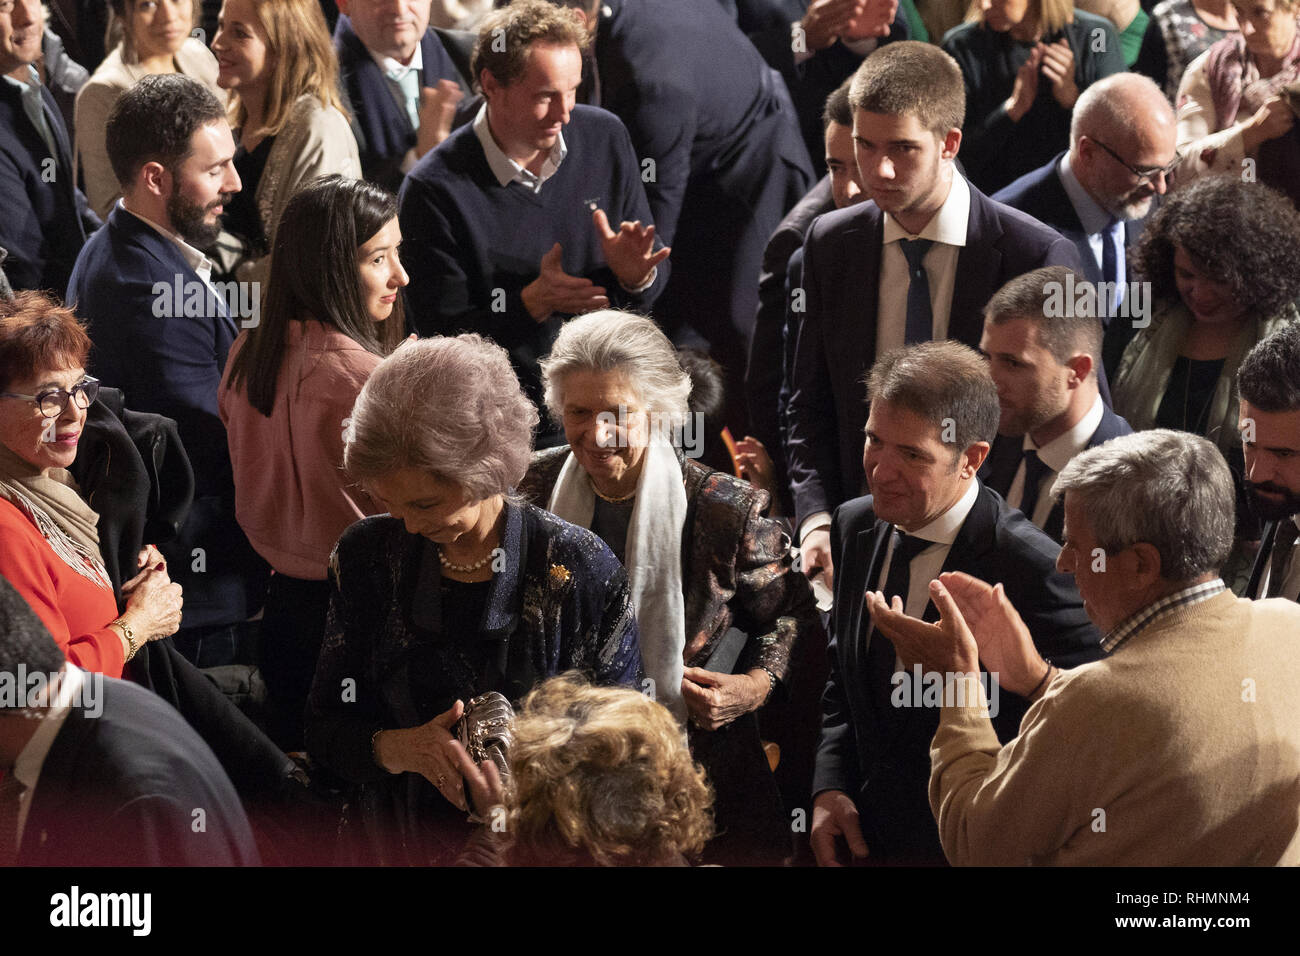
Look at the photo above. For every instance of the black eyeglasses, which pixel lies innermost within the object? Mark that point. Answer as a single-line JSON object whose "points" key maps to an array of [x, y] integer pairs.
{"points": [[1144, 176], [52, 402]]}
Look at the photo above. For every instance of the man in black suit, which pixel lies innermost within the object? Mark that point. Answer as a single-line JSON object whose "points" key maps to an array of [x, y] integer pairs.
{"points": [[772, 350], [863, 293], [721, 157], [161, 331], [1100, 193], [1044, 361], [403, 81], [99, 772], [1268, 389], [46, 218], [934, 409]]}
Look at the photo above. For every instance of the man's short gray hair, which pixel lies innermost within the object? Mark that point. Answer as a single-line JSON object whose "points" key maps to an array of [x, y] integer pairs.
{"points": [[613, 341], [452, 407], [1167, 488]]}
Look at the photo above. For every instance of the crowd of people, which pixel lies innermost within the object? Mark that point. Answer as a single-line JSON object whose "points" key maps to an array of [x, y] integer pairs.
{"points": [[383, 378]]}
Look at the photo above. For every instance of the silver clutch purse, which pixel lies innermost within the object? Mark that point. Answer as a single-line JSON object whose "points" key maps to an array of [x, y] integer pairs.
{"points": [[486, 731]]}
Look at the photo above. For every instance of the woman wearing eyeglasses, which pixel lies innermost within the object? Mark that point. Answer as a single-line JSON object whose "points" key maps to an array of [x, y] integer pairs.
{"points": [[49, 546]]}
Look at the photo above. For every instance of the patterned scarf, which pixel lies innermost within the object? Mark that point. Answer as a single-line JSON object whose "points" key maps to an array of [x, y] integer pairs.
{"points": [[1235, 83], [52, 505]]}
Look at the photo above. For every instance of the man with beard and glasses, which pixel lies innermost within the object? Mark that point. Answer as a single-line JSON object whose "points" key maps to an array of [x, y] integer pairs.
{"points": [[1268, 388], [161, 330]]}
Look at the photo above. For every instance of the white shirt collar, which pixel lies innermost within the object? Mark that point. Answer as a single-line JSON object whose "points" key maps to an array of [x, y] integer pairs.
{"points": [[1056, 454], [27, 768], [1092, 217], [196, 260], [943, 529], [948, 225], [395, 68], [505, 169]]}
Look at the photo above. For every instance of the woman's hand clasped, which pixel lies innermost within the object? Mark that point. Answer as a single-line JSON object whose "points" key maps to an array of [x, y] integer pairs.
{"points": [[425, 750]]}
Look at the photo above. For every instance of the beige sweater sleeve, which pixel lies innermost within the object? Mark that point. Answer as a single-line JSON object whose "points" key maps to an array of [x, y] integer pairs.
{"points": [[1012, 805], [90, 120], [1204, 151]]}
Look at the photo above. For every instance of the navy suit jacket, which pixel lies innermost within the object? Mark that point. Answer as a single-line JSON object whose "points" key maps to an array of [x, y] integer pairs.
{"points": [[167, 354], [1262, 559], [46, 218], [879, 753], [382, 128], [836, 344], [121, 789], [1000, 467]]}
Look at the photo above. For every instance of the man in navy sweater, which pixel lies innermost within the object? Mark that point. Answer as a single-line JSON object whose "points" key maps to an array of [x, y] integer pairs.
{"points": [[506, 225]]}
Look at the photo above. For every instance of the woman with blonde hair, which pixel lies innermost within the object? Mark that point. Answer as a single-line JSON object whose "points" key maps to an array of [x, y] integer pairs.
{"points": [[150, 36], [600, 776], [1025, 63], [276, 60]]}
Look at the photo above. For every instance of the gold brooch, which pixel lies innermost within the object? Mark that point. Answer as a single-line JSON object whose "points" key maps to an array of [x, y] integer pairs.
{"points": [[560, 574]]}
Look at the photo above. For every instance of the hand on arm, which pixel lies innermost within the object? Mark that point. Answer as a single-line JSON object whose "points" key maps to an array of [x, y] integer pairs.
{"points": [[815, 551], [554, 290], [715, 700], [1275, 118]]}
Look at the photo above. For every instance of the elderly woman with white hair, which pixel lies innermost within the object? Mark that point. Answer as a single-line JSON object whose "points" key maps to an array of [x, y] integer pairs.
{"points": [[719, 604], [458, 590]]}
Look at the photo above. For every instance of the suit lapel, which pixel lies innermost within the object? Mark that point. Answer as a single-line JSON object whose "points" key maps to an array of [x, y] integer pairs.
{"points": [[1262, 560], [979, 263]]}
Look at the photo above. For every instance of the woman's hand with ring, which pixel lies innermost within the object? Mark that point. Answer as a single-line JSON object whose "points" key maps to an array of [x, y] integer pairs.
{"points": [[424, 750]]}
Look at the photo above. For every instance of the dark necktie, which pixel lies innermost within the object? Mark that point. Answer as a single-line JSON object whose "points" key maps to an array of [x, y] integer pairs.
{"points": [[1035, 470], [920, 320], [880, 652], [11, 792], [1110, 270], [1283, 546]]}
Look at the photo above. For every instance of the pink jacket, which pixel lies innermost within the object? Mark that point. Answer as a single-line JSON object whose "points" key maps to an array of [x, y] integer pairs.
{"points": [[291, 496]]}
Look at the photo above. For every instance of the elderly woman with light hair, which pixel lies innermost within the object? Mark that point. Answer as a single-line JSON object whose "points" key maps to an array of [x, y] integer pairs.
{"points": [[600, 776], [458, 590], [719, 603]]}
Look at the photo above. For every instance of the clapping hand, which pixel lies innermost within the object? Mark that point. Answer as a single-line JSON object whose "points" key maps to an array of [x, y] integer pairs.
{"points": [[630, 252], [554, 290], [947, 647]]}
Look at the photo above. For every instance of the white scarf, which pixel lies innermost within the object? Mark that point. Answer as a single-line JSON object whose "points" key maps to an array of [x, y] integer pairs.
{"points": [[653, 559]]}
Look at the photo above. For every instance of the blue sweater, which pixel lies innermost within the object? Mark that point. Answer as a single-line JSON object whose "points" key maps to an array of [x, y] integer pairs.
{"points": [[471, 244]]}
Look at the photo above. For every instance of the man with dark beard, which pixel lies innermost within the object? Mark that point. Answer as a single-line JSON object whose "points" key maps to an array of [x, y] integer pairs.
{"points": [[1046, 369], [161, 329], [1268, 389]]}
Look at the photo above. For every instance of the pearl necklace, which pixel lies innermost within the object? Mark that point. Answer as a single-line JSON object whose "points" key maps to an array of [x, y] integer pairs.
{"points": [[464, 568]]}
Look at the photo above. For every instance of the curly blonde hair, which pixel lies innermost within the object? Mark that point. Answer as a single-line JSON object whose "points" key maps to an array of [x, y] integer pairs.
{"points": [[603, 775]]}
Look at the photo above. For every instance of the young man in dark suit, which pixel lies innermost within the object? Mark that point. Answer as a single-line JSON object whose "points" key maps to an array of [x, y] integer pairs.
{"points": [[934, 409], [161, 330], [403, 81], [100, 772], [1045, 362], [46, 219], [1268, 390], [919, 262]]}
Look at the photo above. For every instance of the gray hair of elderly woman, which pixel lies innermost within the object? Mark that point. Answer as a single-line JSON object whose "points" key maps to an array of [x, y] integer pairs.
{"points": [[632, 345], [452, 407], [1167, 488]]}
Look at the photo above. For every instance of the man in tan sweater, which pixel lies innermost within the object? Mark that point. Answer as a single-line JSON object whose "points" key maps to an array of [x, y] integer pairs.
{"points": [[1180, 748]]}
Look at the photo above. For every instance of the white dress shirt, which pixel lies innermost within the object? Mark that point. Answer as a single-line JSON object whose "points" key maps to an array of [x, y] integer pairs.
{"points": [[1056, 454], [948, 230], [505, 169], [27, 768]]}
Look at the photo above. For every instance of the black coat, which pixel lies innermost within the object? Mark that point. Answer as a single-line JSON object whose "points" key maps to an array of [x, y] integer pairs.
{"points": [[879, 754]]}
